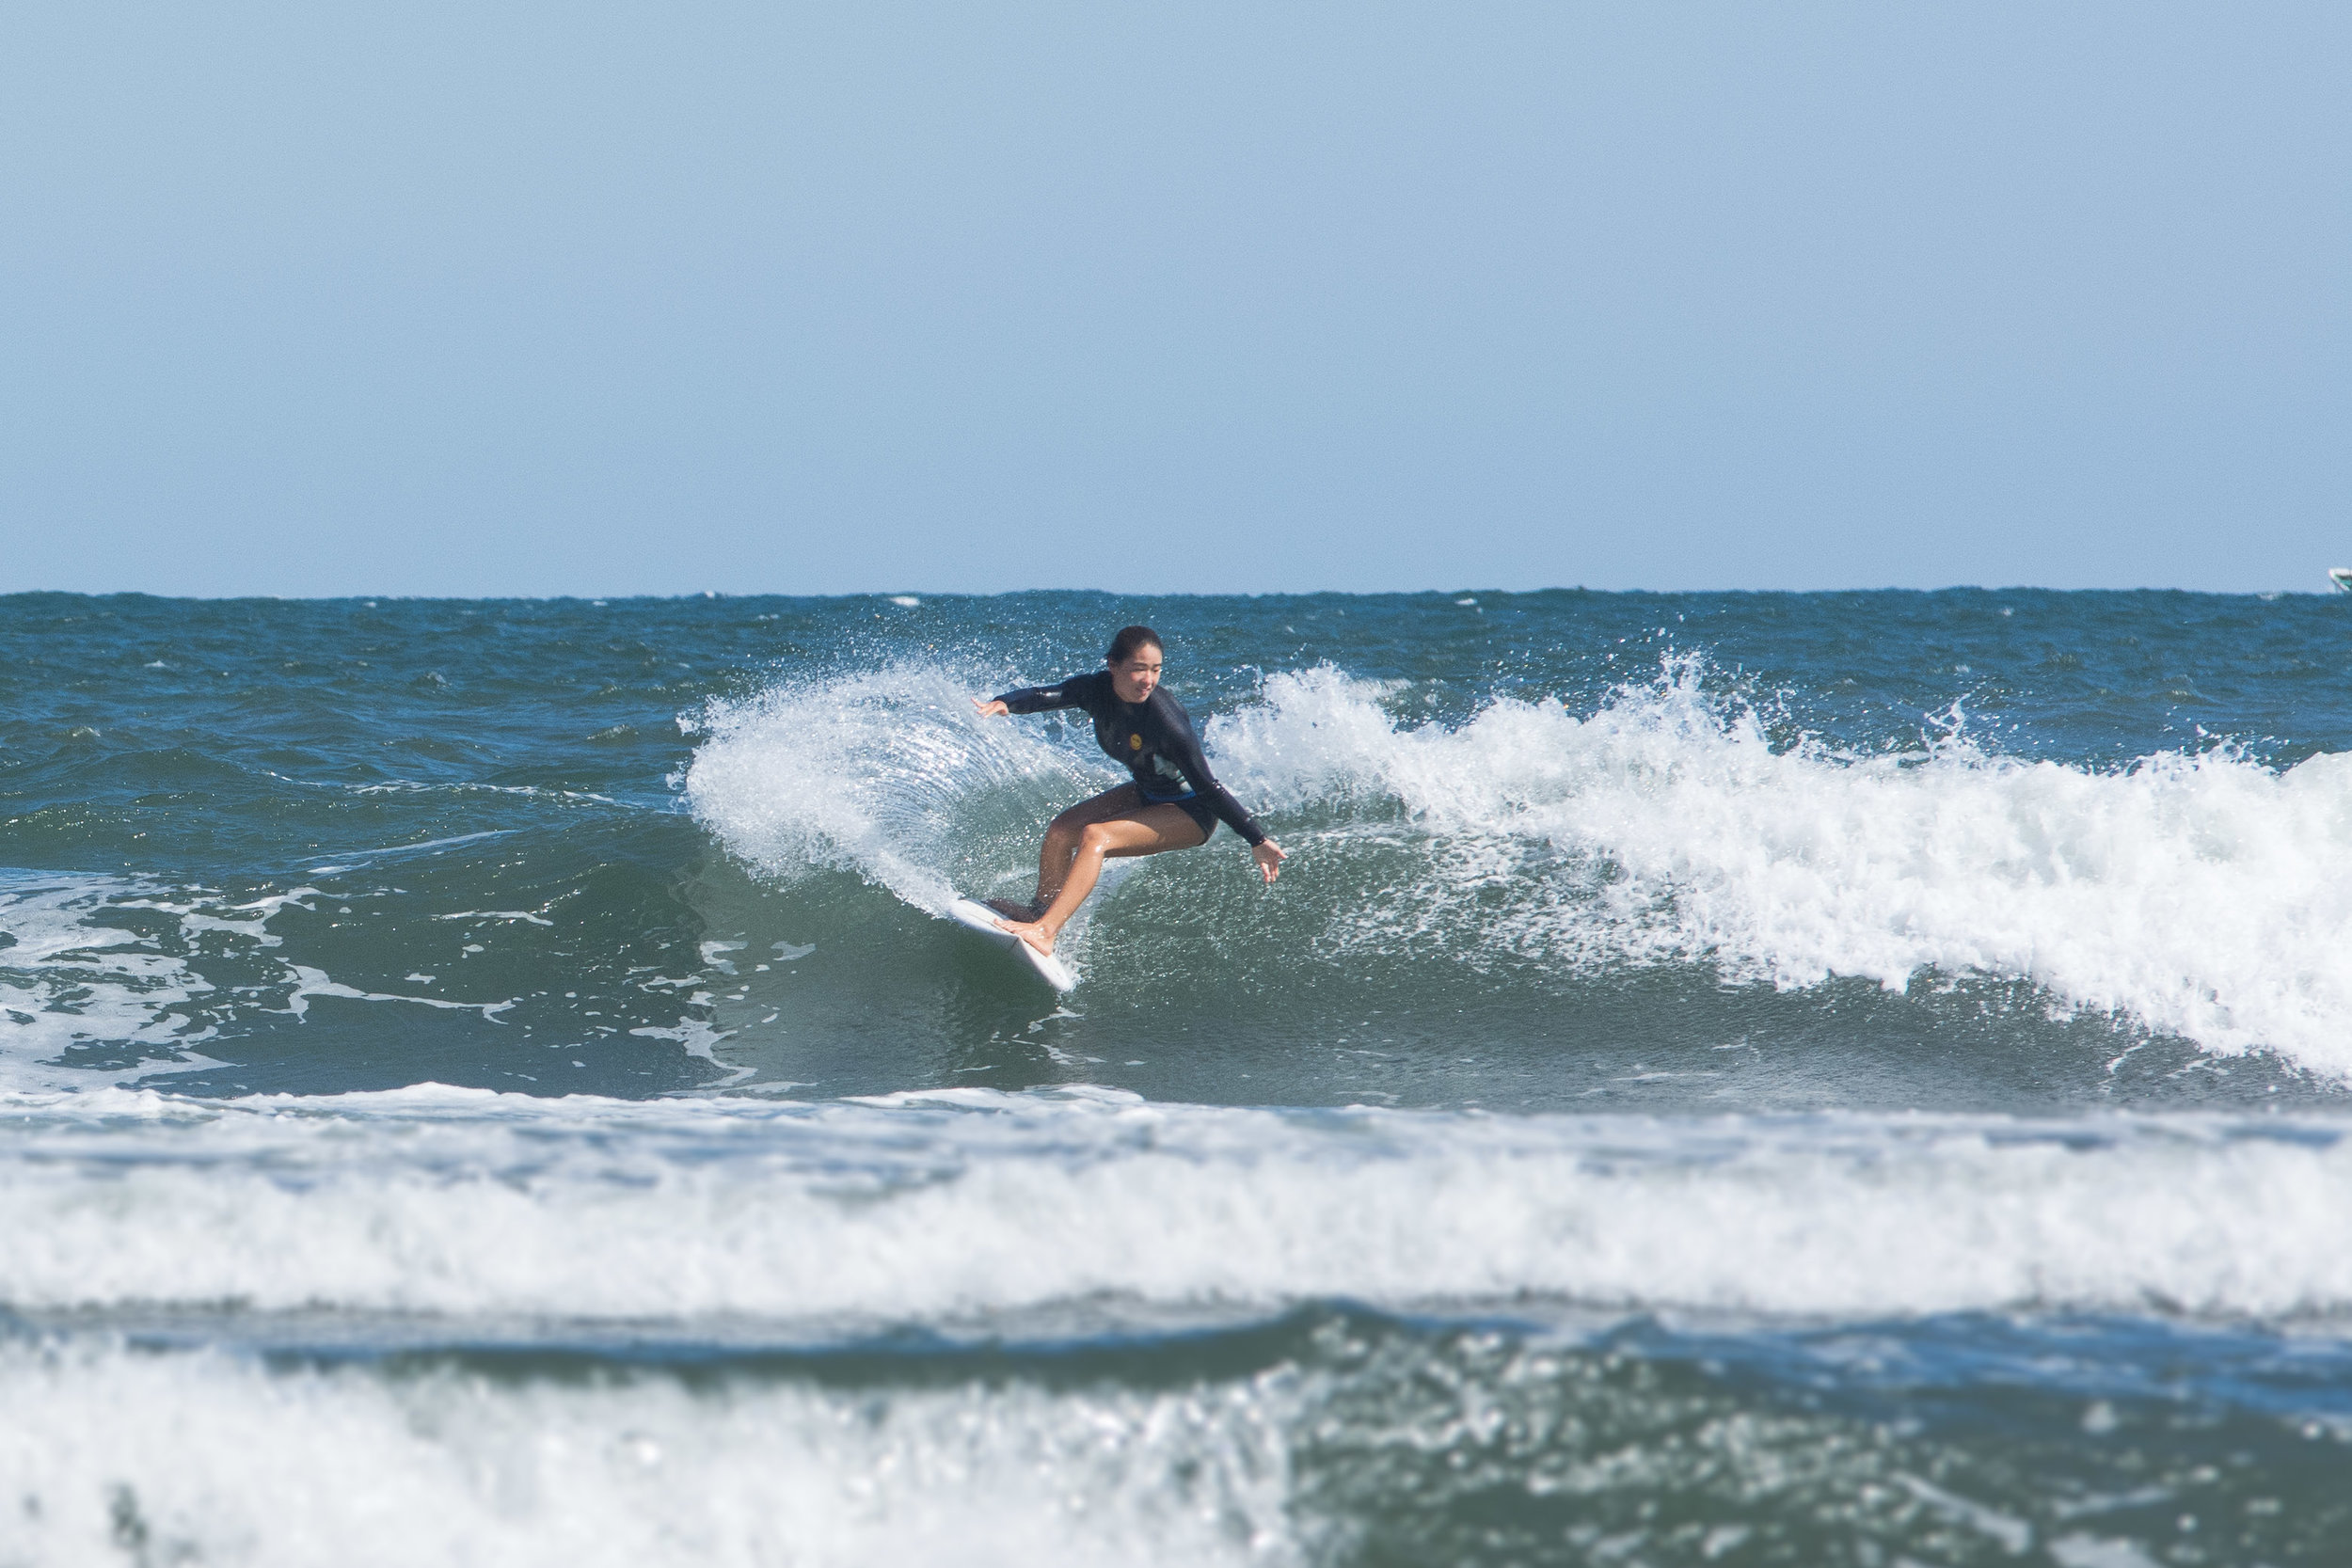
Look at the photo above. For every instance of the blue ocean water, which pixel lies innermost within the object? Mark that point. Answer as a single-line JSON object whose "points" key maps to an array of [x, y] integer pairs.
{"points": [[1723, 1078]]}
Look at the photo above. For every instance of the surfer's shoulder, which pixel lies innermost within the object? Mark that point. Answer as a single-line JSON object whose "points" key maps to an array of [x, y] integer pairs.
{"points": [[1171, 712]]}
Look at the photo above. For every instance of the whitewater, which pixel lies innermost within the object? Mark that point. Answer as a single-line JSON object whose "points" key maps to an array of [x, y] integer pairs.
{"points": [[960, 1204]]}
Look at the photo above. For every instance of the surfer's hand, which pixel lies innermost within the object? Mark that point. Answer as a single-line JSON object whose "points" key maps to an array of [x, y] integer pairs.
{"points": [[1269, 856], [991, 708]]}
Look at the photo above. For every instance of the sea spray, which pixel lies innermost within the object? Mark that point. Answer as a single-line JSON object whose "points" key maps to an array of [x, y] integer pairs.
{"points": [[887, 774]]}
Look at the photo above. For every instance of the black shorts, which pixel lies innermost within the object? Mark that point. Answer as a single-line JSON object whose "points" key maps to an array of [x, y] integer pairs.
{"points": [[1192, 806]]}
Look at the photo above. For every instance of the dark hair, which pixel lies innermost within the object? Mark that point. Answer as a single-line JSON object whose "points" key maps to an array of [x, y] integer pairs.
{"points": [[1124, 646]]}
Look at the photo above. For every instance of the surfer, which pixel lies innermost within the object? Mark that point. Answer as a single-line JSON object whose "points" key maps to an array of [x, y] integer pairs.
{"points": [[1174, 802]]}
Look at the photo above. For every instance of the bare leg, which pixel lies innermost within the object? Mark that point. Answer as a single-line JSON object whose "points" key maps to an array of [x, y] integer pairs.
{"points": [[1061, 837], [1145, 830]]}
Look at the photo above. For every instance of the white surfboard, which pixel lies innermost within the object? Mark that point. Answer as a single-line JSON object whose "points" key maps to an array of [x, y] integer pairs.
{"points": [[982, 919], [2341, 577]]}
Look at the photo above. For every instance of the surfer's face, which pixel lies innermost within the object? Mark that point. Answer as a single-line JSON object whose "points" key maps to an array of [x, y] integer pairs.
{"points": [[1132, 679]]}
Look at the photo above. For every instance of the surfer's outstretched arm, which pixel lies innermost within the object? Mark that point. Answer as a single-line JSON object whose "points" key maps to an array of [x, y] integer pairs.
{"points": [[1034, 699], [1072, 692]]}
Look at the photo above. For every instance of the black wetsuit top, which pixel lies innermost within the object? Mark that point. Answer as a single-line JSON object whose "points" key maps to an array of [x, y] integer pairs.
{"points": [[1153, 737]]}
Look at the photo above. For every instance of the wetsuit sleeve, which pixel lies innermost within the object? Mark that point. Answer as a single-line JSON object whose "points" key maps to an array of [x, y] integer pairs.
{"points": [[1045, 699], [1182, 748]]}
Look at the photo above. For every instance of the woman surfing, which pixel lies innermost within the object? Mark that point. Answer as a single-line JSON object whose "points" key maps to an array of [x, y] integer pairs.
{"points": [[1175, 803]]}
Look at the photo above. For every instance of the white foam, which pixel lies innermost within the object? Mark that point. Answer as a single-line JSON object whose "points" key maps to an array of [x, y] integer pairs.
{"points": [[2204, 895], [74, 978], [923, 1208], [200, 1457], [699, 1039], [888, 774], [71, 980], [308, 982], [358, 858]]}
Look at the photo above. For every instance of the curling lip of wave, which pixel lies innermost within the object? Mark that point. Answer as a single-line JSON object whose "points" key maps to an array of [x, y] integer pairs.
{"points": [[925, 1206]]}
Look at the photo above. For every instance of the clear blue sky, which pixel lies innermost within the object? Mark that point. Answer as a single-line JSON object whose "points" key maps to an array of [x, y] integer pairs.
{"points": [[519, 298]]}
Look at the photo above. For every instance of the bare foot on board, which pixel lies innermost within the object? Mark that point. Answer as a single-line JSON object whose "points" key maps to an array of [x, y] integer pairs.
{"points": [[1031, 931]]}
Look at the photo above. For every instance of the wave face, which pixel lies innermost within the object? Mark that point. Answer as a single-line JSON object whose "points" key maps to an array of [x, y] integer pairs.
{"points": [[1723, 1078], [2199, 897]]}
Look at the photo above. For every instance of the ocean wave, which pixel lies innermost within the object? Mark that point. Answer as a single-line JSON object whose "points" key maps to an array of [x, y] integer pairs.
{"points": [[159, 1455], [1329, 1434], [922, 1207], [2206, 895]]}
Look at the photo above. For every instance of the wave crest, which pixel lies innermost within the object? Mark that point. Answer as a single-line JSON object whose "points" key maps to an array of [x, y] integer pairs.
{"points": [[2206, 895]]}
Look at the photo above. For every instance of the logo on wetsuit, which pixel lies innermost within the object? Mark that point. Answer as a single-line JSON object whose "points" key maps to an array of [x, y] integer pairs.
{"points": [[1134, 743]]}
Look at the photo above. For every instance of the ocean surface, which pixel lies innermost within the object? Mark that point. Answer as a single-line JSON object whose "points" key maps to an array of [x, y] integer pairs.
{"points": [[1723, 1079]]}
